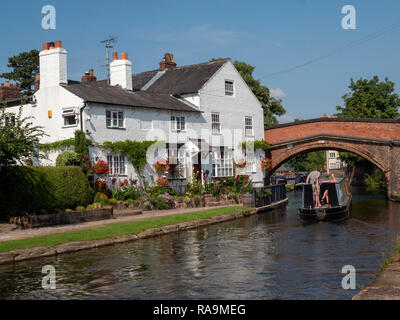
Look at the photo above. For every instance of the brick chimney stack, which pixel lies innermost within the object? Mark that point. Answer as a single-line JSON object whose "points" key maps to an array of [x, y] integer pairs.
{"points": [[168, 62], [9, 91], [89, 76]]}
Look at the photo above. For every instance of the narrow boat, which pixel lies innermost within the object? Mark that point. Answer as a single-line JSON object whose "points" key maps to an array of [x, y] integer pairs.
{"points": [[338, 208]]}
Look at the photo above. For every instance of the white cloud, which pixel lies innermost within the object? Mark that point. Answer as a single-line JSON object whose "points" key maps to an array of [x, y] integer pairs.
{"points": [[277, 93], [285, 119]]}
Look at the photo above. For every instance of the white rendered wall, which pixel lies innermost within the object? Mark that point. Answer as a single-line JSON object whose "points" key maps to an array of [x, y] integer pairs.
{"points": [[232, 110]]}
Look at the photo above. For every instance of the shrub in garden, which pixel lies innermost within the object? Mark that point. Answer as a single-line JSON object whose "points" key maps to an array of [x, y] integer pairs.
{"points": [[29, 190], [159, 203], [80, 208], [68, 158], [101, 198], [196, 200]]}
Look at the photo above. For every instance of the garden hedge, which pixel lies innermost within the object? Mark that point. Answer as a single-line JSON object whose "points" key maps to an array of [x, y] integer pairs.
{"points": [[41, 190]]}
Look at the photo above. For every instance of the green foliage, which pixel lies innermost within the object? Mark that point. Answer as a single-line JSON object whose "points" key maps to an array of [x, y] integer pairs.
{"points": [[68, 158], [272, 107], [80, 208], [24, 67], [256, 145], [81, 143], [128, 193], [18, 137], [368, 99], [135, 151], [159, 190], [159, 203], [31, 189], [62, 144], [101, 198], [375, 182], [196, 200], [308, 161]]}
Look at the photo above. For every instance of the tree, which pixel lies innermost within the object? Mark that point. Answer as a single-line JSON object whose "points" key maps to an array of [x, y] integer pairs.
{"points": [[308, 161], [24, 67], [18, 137], [272, 107], [368, 99]]}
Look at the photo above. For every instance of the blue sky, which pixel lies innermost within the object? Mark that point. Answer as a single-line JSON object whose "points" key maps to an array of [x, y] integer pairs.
{"points": [[271, 35]]}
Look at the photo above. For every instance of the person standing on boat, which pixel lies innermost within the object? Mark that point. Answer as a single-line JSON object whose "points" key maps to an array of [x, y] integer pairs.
{"points": [[313, 178], [325, 197]]}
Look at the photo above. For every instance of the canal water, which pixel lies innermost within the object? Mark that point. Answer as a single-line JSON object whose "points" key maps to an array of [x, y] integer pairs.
{"points": [[268, 256]]}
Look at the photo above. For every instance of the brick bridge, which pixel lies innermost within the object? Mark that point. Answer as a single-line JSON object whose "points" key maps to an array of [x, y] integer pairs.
{"points": [[378, 141]]}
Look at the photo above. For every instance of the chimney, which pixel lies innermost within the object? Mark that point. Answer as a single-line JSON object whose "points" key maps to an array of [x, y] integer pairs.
{"points": [[121, 71], [53, 65], [89, 76], [168, 62], [9, 91]]}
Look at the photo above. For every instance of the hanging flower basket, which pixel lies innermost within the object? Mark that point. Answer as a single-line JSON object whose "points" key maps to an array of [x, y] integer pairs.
{"points": [[266, 164], [101, 167], [162, 165], [101, 182], [242, 163]]}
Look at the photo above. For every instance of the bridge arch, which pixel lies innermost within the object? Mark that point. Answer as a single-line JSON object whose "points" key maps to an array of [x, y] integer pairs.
{"points": [[377, 141]]}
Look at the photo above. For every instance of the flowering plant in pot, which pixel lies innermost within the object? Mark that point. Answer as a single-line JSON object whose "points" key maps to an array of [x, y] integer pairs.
{"points": [[266, 164], [101, 167], [162, 165], [242, 163]]}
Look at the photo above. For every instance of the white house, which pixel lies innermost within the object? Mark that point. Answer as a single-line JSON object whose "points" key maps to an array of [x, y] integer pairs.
{"points": [[203, 112]]}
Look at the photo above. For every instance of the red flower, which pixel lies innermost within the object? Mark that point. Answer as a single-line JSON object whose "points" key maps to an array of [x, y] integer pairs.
{"points": [[162, 165], [266, 164], [101, 167]]}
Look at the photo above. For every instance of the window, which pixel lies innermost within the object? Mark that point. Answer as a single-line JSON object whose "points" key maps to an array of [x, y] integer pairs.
{"points": [[114, 119], [223, 164], [117, 164], [177, 123], [332, 155], [248, 126], [229, 89], [69, 117], [215, 123], [10, 119]]}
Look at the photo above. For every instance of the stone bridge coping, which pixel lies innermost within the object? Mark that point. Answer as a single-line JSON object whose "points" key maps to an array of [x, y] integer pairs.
{"points": [[332, 120], [339, 137]]}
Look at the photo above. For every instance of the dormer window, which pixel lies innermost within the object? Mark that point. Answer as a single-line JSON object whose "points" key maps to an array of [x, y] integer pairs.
{"points": [[69, 116], [229, 88]]}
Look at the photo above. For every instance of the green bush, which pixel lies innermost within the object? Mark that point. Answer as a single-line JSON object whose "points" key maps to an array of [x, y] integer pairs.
{"points": [[29, 190], [159, 203], [68, 158]]}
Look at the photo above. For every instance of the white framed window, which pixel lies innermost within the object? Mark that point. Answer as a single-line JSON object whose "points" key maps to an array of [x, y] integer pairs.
{"points": [[178, 123], [70, 118], [222, 164], [114, 119], [248, 126], [229, 88], [117, 164], [10, 119], [332, 155], [215, 123]]}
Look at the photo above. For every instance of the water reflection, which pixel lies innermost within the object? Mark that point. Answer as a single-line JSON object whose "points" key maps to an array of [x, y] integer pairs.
{"points": [[269, 256]]}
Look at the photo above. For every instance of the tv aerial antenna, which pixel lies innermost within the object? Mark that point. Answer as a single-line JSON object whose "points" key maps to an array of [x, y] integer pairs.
{"points": [[108, 42]]}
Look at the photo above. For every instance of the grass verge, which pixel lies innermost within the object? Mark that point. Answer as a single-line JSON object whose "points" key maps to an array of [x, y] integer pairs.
{"points": [[114, 229]]}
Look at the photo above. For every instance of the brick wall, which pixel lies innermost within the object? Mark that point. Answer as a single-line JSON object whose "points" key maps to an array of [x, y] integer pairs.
{"points": [[388, 130]]}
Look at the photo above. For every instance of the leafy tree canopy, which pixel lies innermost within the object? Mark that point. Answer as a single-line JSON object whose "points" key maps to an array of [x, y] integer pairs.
{"points": [[308, 161], [24, 67], [18, 138], [368, 99]]}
